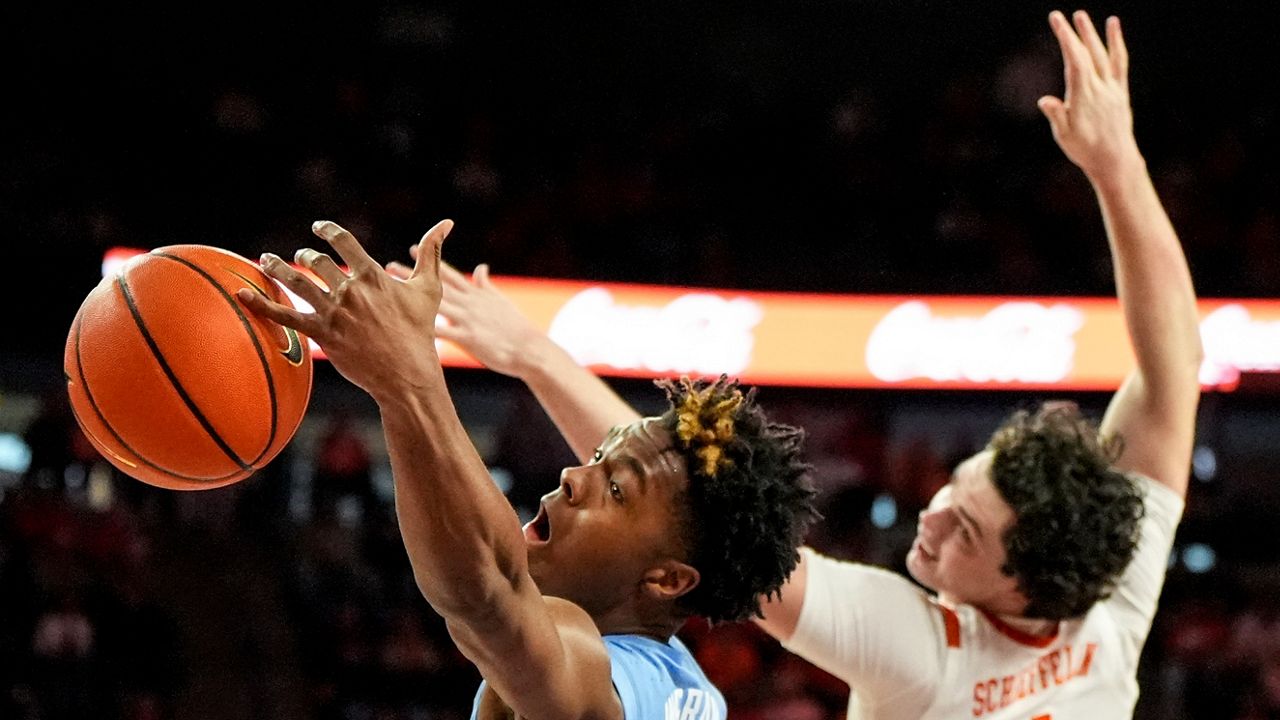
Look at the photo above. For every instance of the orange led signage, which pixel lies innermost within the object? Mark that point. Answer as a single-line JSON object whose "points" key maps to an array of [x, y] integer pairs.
{"points": [[864, 341]]}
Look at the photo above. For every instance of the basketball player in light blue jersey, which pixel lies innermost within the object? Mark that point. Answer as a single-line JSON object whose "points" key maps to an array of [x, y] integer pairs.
{"points": [[698, 512]]}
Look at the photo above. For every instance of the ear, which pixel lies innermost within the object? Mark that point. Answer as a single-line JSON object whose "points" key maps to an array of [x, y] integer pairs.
{"points": [[669, 580]]}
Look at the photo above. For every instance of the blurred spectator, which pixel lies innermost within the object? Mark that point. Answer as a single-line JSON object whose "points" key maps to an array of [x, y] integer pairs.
{"points": [[343, 470]]}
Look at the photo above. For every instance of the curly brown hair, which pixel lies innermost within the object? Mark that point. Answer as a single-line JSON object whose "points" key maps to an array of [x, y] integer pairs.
{"points": [[1077, 517], [749, 502]]}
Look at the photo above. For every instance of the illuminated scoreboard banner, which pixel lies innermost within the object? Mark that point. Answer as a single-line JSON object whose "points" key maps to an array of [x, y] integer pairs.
{"points": [[863, 341]]}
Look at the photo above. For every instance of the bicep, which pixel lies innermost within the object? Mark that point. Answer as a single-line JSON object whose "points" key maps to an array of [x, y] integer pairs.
{"points": [[1156, 427], [870, 627], [543, 656]]}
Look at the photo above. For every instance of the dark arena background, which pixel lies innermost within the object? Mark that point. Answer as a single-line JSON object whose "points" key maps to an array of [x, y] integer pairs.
{"points": [[856, 147]]}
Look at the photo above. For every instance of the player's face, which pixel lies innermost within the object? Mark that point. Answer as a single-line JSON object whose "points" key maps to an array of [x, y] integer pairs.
{"points": [[610, 521], [959, 545]]}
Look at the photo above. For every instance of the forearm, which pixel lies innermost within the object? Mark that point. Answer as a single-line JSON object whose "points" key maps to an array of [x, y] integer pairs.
{"points": [[1153, 281], [462, 536], [580, 404]]}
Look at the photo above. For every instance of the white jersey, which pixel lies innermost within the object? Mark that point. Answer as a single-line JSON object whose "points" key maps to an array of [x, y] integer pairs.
{"points": [[906, 656]]}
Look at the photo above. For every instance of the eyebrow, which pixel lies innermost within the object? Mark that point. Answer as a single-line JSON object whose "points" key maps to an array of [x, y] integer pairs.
{"points": [[636, 469], [969, 519]]}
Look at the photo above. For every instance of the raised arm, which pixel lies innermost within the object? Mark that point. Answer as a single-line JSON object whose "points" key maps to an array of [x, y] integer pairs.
{"points": [[485, 323], [1155, 409], [543, 657]]}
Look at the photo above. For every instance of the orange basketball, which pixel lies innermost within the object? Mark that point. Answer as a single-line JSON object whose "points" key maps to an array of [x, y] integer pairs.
{"points": [[174, 381]]}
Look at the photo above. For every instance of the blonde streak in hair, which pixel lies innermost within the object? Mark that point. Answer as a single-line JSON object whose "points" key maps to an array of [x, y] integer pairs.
{"points": [[724, 429], [710, 456], [688, 426], [730, 404]]}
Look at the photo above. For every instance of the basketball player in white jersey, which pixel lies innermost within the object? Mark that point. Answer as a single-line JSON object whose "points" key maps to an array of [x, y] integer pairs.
{"points": [[1046, 552]]}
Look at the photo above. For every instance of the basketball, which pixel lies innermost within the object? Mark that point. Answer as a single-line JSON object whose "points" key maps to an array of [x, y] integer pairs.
{"points": [[174, 381]]}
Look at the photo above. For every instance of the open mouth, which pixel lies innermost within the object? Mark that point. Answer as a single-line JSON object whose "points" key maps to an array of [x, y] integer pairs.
{"points": [[538, 530]]}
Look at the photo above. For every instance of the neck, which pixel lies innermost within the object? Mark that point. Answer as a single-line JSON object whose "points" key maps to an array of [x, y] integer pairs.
{"points": [[659, 626]]}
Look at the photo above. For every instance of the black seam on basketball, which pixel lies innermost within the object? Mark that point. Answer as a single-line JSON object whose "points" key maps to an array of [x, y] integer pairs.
{"points": [[88, 392], [294, 353], [257, 346], [173, 378]]}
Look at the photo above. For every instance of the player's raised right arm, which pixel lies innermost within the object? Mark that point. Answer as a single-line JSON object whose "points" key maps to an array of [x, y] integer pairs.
{"points": [[484, 322], [1154, 410], [544, 657]]}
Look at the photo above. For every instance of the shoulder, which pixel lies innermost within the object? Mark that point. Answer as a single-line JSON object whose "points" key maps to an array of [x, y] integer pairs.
{"points": [[574, 680], [654, 679], [834, 570], [649, 662], [571, 618]]}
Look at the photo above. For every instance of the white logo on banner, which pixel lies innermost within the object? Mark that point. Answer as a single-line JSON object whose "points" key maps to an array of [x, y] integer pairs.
{"points": [[697, 333], [1013, 342], [1235, 342]]}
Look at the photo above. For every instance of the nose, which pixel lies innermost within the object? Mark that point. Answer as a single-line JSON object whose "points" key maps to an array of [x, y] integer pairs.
{"points": [[571, 480], [938, 521]]}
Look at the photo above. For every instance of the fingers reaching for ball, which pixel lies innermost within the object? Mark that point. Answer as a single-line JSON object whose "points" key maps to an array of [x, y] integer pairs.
{"points": [[346, 245], [284, 315], [322, 265], [329, 282]]}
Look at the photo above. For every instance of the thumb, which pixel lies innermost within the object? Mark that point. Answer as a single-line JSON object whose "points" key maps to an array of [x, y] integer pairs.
{"points": [[1054, 109], [481, 275], [428, 255]]}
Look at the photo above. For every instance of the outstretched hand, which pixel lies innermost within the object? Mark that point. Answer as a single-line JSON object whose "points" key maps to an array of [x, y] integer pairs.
{"points": [[481, 319], [378, 331], [1093, 121]]}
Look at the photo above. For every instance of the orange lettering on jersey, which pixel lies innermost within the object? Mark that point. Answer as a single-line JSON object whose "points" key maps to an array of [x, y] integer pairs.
{"points": [[1088, 658], [1025, 684], [1047, 671], [1006, 690]]}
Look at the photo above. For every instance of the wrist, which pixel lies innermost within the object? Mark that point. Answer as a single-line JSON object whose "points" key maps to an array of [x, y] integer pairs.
{"points": [[540, 357], [1120, 172], [406, 385]]}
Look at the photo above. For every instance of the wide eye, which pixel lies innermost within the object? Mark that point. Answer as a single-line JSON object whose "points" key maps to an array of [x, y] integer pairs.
{"points": [[615, 490], [598, 456]]}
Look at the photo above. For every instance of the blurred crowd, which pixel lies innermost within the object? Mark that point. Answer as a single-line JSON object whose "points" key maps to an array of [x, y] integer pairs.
{"points": [[665, 144], [86, 632], [98, 624]]}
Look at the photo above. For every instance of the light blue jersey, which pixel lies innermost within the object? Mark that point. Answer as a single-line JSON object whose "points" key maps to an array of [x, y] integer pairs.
{"points": [[656, 681]]}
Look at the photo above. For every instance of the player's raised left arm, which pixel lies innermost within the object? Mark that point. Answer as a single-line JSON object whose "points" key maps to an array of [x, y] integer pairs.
{"points": [[1154, 411]]}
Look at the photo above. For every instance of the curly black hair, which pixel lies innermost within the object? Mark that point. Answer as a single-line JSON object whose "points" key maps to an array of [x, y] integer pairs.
{"points": [[1077, 517], [750, 497]]}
